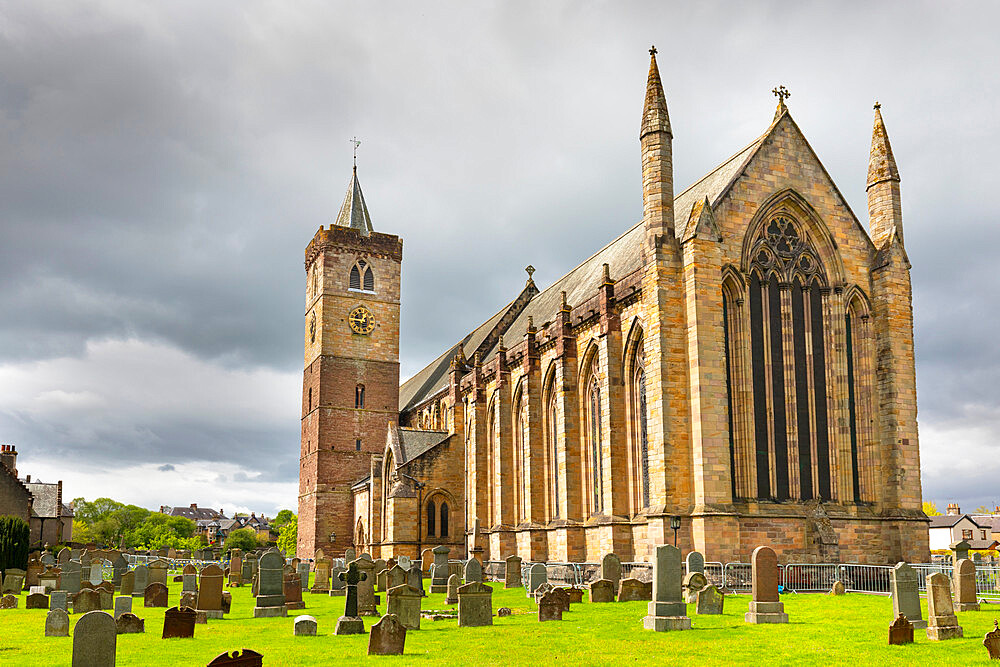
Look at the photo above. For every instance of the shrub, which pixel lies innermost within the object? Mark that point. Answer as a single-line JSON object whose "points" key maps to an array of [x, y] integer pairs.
{"points": [[14, 536], [243, 539]]}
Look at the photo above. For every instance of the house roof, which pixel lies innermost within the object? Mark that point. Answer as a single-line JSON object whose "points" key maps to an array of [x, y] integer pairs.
{"points": [[196, 513], [949, 521], [623, 257], [46, 497]]}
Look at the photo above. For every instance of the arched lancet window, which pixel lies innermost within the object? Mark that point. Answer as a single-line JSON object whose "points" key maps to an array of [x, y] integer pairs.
{"points": [[431, 518], [314, 280], [362, 276], [552, 448], [444, 520], [641, 422], [594, 442], [859, 373], [492, 438], [359, 534], [521, 456], [312, 327]]}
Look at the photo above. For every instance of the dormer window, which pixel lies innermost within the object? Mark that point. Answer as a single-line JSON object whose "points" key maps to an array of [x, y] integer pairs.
{"points": [[362, 277]]}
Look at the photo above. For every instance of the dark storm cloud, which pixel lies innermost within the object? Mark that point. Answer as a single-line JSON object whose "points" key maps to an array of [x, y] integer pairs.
{"points": [[163, 165]]}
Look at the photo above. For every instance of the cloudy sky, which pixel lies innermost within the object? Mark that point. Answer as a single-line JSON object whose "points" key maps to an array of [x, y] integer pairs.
{"points": [[163, 166]]}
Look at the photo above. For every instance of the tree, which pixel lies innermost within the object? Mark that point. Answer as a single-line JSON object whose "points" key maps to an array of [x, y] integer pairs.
{"points": [[14, 535], [982, 509], [241, 538], [284, 516], [288, 536], [930, 509], [81, 532]]}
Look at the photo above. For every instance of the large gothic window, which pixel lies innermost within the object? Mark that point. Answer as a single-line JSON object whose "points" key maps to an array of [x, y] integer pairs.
{"points": [[594, 441], [521, 456], [640, 425], [552, 450]]}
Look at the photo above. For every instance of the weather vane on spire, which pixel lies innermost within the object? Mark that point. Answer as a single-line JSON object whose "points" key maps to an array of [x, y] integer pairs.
{"points": [[356, 142]]}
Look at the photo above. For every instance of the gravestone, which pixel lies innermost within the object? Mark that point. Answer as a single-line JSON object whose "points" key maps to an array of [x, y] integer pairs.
{"points": [[396, 576], [350, 554], [691, 584], [439, 580], [512, 572], [292, 588], [611, 569], [247, 658], [227, 602], [158, 572], [904, 587], [367, 600], [631, 590], [130, 624], [379, 577], [141, 580], [941, 621], [542, 590], [235, 568], [57, 623], [13, 581], [765, 606], [36, 601], [270, 598], [188, 599], [189, 579], [575, 594], [95, 639], [87, 600], [50, 579], [959, 551], [550, 607], [63, 556], [302, 569], [211, 583], [304, 626], [179, 623], [247, 573], [504, 611], [710, 601], [59, 600], [35, 568], [155, 595], [900, 631], [695, 562], [837, 588], [475, 605], [388, 637], [561, 595], [404, 562], [473, 571], [350, 623], [537, 575], [123, 605], [666, 611], [992, 642], [426, 559], [128, 583], [404, 602], [321, 577], [119, 566], [453, 584], [8, 601], [602, 590], [964, 584], [336, 585], [415, 577]]}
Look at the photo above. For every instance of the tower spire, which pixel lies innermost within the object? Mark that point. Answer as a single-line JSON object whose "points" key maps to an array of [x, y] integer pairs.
{"points": [[885, 216], [354, 211], [656, 140]]}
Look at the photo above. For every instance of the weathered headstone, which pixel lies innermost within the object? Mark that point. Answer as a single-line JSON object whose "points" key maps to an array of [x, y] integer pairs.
{"points": [[350, 623], [380, 566], [426, 558], [537, 575], [57, 623], [247, 658], [631, 590], [8, 601], [367, 600], [59, 600], [453, 584], [35, 568], [189, 579], [512, 572], [396, 576], [473, 571], [179, 623], [211, 583], [293, 592], [305, 626], [155, 595], [941, 621], [130, 624], [415, 577], [247, 573], [87, 600], [404, 562], [900, 631], [475, 605], [666, 611], [695, 562], [123, 605], [710, 601], [141, 580], [13, 581], [575, 594], [404, 602], [158, 572], [63, 556], [119, 566], [95, 638], [550, 607], [302, 569], [611, 569], [439, 580], [235, 568], [50, 579], [602, 590], [188, 599], [270, 598], [964, 584], [336, 585], [388, 637], [691, 584], [765, 606], [350, 554], [837, 588], [959, 551], [992, 642], [904, 587], [36, 601], [128, 583], [321, 577]]}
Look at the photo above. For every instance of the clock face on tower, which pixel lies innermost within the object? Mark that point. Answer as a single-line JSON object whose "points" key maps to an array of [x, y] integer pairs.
{"points": [[361, 320]]}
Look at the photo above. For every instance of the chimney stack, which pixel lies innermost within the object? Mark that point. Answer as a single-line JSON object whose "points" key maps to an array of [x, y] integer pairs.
{"points": [[8, 458], [953, 509], [194, 506]]}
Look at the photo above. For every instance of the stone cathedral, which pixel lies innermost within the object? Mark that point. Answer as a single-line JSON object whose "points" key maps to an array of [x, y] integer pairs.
{"points": [[741, 360]]}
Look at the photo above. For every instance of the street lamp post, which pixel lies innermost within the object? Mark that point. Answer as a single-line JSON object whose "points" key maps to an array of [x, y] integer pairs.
{"points": [[675, 523]]}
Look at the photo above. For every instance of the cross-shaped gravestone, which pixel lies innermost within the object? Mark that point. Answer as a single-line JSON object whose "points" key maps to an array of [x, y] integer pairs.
{"points": [[351, 578]]}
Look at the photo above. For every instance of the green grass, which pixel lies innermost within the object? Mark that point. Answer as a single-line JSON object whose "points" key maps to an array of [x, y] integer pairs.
{"points": [[822, 630]]}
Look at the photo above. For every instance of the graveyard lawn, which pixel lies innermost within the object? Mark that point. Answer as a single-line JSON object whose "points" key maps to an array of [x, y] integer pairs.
{"points": [[821, 630]]}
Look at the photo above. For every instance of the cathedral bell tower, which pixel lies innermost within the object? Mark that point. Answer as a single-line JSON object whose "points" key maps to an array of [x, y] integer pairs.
{"points": [[350, 383]]}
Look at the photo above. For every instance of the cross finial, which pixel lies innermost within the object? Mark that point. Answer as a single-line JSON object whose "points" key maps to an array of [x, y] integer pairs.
{"points": [[529, 269], [878, 105], [356, 142], [652, 50], [781, 93]]}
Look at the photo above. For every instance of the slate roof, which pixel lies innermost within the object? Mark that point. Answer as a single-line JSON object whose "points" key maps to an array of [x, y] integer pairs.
{"points": [[949, 520], [623, 257], [46, 503], [354, 211], [196, 513], [413, 443]]}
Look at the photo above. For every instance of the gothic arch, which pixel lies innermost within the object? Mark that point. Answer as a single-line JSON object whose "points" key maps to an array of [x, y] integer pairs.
{"points": [[593, 397], [637, 413], [362, 276], [439, 504], [550, 420]]}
